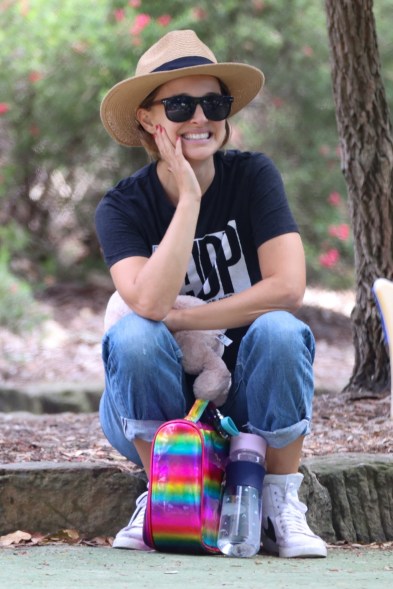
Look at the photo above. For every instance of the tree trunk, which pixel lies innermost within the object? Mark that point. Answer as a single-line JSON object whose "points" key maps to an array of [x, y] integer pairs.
{"points": [[365, 132]]}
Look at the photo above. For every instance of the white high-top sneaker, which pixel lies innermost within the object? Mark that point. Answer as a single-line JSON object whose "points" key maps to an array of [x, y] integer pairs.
{"points": [[131, 537], [284, 526]]}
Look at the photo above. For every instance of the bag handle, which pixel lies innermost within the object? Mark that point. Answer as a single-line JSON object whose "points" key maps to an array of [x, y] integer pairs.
{"points": [[196, 411], [225, 426]]}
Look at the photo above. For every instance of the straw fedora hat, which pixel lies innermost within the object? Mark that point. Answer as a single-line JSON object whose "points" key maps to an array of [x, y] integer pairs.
{"points": [[177, 54]]}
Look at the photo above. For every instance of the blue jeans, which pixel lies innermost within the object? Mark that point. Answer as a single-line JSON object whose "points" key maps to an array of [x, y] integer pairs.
{"points": [[145, 384]]}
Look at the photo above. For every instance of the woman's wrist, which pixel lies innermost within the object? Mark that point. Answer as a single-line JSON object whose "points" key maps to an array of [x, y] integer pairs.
{"points": [[172, 320]]}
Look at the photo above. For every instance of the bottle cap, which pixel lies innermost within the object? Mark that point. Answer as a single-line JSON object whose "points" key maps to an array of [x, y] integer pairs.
{"points": [[248, 442]]}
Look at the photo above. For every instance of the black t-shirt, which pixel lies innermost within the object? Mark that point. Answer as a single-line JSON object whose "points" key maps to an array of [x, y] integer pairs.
{"points": [[244, 207]]}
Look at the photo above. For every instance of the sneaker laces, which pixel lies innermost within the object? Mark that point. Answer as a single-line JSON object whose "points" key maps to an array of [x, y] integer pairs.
{"points": [[139, 513], [291, 518]]}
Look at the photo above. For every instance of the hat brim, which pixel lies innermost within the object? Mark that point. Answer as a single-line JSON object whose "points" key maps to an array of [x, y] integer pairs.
{"points": [[118, 108]]}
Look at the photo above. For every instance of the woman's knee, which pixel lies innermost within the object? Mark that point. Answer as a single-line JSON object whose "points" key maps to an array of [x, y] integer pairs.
{"points": [[283, 332], [137, 341], [276, 369]]}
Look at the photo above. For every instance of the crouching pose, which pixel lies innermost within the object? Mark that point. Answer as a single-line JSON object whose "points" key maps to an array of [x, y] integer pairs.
{"points": [[214, 224]]}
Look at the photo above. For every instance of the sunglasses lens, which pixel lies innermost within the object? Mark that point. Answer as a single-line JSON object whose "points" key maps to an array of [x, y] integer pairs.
{"points": [[217, 108], [179, 109]]}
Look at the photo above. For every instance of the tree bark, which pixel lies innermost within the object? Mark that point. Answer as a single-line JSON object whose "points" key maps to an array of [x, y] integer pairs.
{"points": [[365, 132]]}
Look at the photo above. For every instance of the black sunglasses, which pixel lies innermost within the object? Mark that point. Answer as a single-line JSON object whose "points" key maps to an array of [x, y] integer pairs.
{"points": [[179, 109]]}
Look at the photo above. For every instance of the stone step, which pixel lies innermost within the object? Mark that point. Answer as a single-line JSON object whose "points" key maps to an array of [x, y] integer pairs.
{"points": [[349, 497], [61, 397]]}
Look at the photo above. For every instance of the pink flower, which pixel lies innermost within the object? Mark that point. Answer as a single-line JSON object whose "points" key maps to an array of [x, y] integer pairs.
{"points": [[329, 258], [134, 3], [324, 150], [340, 231], [119, 14], [258, 5], [164, 20], [141, 21], [24, 7], [4, 108], [334, 199], [277, 102], [308, 51], [34, 130], [35, 76], [13, 288], [199, 13]]}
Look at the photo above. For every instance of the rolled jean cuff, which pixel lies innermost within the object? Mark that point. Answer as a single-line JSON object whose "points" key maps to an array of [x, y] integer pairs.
{"points": [[143, 430], [282, 437]]}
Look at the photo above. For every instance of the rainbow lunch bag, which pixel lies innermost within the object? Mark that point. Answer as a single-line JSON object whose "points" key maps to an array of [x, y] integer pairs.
{"points": [[188, 461]]}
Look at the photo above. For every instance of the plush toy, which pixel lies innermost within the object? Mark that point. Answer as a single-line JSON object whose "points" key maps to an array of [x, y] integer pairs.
{"points": [[202, 350]]}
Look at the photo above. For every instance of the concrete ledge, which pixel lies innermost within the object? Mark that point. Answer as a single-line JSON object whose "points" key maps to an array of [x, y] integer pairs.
{"points": [[39, 398], [349, 496], [45, 497]]}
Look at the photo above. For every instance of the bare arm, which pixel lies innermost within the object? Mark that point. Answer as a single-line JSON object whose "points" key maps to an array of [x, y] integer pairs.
{"points": [[283, 269], [150, 285]]}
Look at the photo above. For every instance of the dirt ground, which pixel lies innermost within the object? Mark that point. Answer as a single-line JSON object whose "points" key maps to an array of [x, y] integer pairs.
{"points": [[67, 347]]}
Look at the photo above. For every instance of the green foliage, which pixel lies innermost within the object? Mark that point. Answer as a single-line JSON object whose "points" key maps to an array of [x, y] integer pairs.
{"points": [[18, 310], [59, 58]]}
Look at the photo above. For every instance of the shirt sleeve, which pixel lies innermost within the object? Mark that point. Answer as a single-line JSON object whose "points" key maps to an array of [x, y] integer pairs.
{"points": [[118, 231], [269, 208]]}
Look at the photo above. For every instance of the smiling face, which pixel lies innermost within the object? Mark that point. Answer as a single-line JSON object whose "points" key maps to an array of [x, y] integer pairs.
{"points": [[200, 137]]}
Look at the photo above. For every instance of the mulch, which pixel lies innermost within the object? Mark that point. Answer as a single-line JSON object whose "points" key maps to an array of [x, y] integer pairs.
{"points": [[70, 344]]}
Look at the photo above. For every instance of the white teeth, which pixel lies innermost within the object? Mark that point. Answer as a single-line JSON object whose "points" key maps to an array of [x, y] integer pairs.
{"points": [[196, 136]]}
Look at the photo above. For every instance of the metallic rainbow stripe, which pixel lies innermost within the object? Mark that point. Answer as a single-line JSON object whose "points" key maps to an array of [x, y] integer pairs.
{"points": [[185, 480]]}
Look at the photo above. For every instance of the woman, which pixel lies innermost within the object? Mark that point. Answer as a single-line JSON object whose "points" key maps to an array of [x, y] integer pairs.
{"points": [[216, 225]]}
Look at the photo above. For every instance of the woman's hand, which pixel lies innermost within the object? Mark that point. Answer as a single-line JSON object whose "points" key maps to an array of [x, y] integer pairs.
{"points": [[282, 288], [181, 170]]}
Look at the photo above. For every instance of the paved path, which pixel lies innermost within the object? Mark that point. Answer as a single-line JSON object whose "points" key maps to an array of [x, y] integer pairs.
{"points": [[77, 567]]}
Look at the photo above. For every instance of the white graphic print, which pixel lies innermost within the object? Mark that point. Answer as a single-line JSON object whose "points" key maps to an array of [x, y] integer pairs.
{"points": [[217, 267]]}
